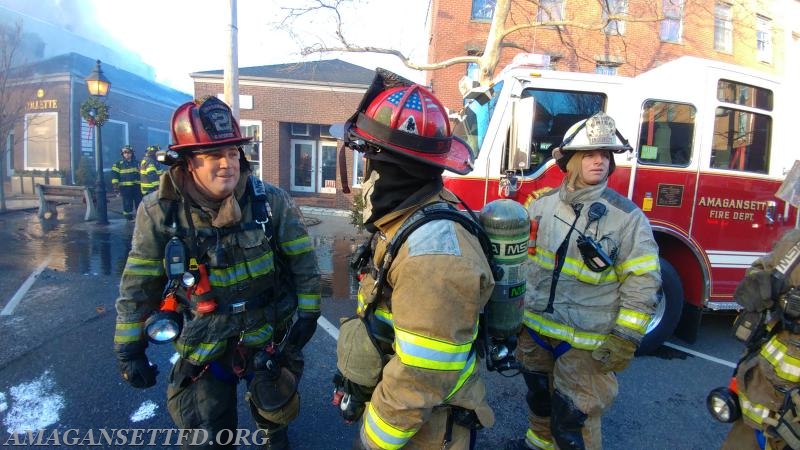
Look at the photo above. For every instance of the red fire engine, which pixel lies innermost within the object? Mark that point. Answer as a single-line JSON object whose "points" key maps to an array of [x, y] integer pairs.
{"points": [[710, 151]]}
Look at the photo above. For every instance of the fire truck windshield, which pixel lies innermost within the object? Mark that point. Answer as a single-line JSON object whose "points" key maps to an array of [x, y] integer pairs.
{"points": [[473, 120]]}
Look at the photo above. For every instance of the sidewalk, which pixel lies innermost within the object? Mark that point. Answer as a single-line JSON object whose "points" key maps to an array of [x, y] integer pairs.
{"points": [[21, 203], [319, 220]]}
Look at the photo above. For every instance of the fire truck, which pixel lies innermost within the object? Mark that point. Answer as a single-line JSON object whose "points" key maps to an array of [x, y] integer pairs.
{"points": [[710, 150]]}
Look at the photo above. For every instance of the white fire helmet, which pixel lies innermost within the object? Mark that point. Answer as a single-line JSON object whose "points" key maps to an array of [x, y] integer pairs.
{"points": [[598, 132]]}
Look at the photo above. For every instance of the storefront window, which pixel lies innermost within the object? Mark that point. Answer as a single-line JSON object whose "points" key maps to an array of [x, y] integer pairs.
{"points": [[41, 141]]}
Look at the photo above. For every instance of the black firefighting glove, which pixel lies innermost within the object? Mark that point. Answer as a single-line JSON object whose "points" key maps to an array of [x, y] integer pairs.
{"points": [[137, 370], [615, 353], [301, 332]]}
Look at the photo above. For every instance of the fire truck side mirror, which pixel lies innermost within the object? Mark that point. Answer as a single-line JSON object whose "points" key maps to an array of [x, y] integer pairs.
{"points": [[519, 150]]}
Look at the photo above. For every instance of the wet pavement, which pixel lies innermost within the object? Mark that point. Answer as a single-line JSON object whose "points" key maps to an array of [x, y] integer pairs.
{"points": [[57, 338], [73, 245]]}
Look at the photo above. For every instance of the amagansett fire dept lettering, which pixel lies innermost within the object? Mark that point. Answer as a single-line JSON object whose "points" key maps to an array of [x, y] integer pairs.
{"points": [[732, 208]]}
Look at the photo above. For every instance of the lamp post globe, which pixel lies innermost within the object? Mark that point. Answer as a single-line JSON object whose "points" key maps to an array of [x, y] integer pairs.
{"points": [[98, 86]]}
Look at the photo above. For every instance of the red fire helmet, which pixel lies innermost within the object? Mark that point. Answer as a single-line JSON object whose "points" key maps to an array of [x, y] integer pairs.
{"points": [[205, 126], [411, 122]]}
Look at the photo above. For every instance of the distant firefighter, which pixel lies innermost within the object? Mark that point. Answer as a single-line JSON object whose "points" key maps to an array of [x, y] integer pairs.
{"points": [[149, 171]]}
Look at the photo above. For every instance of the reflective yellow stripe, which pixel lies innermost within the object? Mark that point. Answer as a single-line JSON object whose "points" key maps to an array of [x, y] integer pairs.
{"points": [[384, 434], [633, 320], [202, 352], [543, 258], [259, 336], [786, 366], [538, 442], [127, 332], [573, 267], [242, 271], [469, 369], [640, 265], [143, 267], [753, 411], [427, 353], [578, 339], [298, 246], [579, 270], [309, 302]]}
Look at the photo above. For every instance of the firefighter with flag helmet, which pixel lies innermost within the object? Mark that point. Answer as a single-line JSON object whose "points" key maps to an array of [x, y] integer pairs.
{"points": [[592, 282], [408, 367], [764, 401], [221, 264]]}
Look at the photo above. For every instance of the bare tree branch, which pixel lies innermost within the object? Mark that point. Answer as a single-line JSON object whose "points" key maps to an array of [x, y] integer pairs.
{"points": [[14, 93], [511, 20]]}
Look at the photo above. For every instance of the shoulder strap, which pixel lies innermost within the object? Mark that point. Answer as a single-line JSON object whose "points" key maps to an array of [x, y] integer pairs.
{"points": [[428, 213]]}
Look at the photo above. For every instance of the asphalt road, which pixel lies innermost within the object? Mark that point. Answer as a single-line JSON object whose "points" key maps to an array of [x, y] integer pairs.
{"points": [[57, 370]]}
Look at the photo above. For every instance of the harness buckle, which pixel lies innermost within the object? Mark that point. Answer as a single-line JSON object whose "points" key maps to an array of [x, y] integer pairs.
{"points": [[238, 307], [263, 224]]}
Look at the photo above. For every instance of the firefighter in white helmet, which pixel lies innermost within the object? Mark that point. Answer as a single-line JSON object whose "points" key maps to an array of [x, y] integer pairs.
{"points": [[592, 277]]}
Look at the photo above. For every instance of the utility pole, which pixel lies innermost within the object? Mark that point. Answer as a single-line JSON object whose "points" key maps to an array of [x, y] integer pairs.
{"points": [[231, 75]]}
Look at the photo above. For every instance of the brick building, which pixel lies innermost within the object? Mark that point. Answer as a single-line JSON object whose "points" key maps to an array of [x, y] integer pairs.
{"points": [[752, 33], [52, 137], [288, 110]]}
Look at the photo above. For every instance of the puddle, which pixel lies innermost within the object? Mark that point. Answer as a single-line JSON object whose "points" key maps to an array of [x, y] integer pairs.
{"points": [[86, 248]]}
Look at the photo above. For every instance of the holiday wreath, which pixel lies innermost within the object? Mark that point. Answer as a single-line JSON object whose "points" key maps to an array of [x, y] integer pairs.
{"points": [[94, 112]]}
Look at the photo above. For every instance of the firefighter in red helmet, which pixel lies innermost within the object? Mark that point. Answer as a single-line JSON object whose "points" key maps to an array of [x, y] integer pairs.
{"points": [[221, 264], [419, 385]]}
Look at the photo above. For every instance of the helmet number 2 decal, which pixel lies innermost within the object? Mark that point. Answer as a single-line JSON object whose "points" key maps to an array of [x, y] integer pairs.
{"points": [[221, 121]]}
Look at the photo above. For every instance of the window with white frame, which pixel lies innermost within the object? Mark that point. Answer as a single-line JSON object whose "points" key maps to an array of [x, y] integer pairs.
{"points": [[764, 38], [550, 11], [252, 150], [359, 166], [41, 141], [8, 145], [483, 9], [303, 165], [614, 8], [672, 24], [723, 27], [605, 69], [326, 173]]}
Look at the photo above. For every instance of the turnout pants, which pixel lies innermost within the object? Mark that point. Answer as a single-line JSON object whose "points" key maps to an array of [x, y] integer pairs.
{"points": [[434, 433], [131, 196], [578, 379], [205, 397]]}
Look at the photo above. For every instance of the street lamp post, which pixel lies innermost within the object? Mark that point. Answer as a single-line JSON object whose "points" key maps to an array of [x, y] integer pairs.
{"points": [[98, 86]]}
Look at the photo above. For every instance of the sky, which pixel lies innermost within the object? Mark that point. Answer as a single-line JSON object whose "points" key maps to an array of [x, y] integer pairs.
{"points": [[178, 37]]}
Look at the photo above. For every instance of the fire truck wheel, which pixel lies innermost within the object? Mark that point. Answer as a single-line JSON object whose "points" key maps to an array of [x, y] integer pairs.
{"points": [[668, 310]]}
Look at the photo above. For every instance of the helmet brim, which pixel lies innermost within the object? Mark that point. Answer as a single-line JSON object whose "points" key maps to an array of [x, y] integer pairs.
{"points": [[458, 159], [585, 148], [208, 147]]}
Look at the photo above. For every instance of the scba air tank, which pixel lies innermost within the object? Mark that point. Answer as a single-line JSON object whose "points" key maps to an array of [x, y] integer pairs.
{"points": [[508, 226]]}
